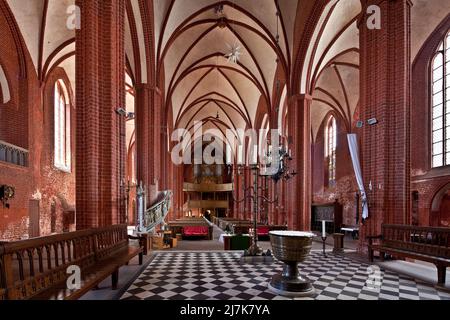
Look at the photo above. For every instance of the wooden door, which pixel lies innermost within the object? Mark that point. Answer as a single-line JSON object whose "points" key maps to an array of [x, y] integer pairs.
{"points": [[34, 229]]}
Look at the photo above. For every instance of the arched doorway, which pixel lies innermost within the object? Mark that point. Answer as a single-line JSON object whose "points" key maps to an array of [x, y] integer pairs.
{"points": [[440, 215], [445, 211]]}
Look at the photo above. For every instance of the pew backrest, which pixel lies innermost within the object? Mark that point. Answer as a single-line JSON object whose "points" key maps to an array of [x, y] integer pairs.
{"points": [[31, 266]]}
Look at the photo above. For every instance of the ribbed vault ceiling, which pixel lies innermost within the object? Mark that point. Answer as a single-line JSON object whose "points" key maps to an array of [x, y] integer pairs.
{"points": [[191, 41]]}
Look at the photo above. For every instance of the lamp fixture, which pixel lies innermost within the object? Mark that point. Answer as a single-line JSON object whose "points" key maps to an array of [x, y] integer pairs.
{"points": [[234, 53], [128, 115], [6, 193], [280, 159], [372, 121]]}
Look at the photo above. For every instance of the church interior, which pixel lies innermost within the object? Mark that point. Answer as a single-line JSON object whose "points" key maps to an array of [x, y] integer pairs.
{"points": [[224, 150]]}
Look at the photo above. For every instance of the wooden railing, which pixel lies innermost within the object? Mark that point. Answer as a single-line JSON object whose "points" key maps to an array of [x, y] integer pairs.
{"points": [[31, 266], [192, 187], [155, 215], [206, 204], [424, 240], [13, 154]]}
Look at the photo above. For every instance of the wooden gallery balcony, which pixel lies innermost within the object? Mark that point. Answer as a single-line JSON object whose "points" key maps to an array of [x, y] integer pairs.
{"points": [[206, 196]]}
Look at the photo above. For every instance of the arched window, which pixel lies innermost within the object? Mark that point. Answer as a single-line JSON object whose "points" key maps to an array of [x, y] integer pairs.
{"points": [[330, 149], [62, 127], [4, 87], [441, 105]]}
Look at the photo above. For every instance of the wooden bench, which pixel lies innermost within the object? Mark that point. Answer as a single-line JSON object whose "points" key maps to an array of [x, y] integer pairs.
{"points": [[418, 243], [37, 268]]}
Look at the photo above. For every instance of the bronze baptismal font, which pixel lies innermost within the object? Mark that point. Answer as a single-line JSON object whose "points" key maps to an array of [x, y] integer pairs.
{"points": [[291, 248]]}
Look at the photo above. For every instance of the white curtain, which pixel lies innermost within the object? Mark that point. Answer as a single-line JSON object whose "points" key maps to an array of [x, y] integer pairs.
{"points": [[354, 152]]}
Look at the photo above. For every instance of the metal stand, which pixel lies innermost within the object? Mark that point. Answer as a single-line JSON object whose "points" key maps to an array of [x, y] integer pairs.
{"points": [[255, 250], [259, 201], [324, 239]]}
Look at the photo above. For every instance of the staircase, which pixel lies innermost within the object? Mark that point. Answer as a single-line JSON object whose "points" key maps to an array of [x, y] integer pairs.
{"points": [[156, 215]]}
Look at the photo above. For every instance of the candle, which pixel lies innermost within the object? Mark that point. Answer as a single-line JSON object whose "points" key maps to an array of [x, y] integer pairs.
{"points": [[255, 155], [324, 229], [240, 154], [229, 159]]}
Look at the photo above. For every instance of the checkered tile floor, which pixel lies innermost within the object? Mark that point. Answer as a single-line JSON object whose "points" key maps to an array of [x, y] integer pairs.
{"points": [[220, 276]]}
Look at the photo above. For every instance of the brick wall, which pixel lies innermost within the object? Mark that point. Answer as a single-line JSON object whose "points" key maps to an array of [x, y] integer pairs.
{"points": [[425, 180], [57, 187], [14, 110], [26, 121], [345, 189]]}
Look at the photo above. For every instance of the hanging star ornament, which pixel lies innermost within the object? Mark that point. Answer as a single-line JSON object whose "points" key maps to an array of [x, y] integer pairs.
{"points": [[234, 53]]}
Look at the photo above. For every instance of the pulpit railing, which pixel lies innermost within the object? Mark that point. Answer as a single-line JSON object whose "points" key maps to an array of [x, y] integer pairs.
{"points": [[156, 215], [13, 154]]}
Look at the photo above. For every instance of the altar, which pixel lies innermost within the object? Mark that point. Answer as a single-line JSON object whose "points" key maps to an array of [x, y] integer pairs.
{"points": [[235, 242]]}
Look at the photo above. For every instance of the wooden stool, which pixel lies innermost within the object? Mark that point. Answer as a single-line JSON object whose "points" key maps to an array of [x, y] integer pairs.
{"points": [[157, 243], [174, 243]]}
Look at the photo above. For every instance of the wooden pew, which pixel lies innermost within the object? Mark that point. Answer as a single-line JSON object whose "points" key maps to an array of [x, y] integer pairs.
{"points": [[418, 243], [37, 268]]}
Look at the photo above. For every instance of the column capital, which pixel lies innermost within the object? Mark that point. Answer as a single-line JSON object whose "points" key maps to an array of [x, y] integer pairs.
{"points": [[300, 97], [156, 90], [149, 87]]}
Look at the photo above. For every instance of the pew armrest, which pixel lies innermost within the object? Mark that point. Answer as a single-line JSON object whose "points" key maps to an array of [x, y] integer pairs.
{"points": [[372, 238], [139, 238]]}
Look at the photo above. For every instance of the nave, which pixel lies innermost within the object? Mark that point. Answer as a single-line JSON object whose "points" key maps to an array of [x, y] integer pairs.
{"points": [[152, 148]]}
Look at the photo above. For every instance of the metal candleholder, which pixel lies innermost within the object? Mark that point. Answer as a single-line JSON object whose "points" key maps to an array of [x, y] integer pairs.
{"points": [[324, 240]]}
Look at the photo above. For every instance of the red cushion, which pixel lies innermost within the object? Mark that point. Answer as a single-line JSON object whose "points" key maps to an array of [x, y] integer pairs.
{"points": [[195, 231], [263, 231]]}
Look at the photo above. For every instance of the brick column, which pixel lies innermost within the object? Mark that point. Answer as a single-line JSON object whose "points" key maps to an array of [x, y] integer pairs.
{"points": [[100, 131], [248, 203], [155, 133], [282, 207], [385, 95], [181, 195], [274, 190], [299, 194], [143, 153], [236, 187], [152, 160]]}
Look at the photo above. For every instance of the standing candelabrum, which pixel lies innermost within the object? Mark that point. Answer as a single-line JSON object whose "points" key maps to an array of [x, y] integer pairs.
{"points": [[275, 168], [254, 193]]}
